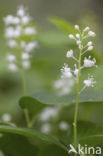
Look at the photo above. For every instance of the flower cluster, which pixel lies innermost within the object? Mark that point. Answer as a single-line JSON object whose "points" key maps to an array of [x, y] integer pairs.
{"points": [[20, 36], [83, 46]]}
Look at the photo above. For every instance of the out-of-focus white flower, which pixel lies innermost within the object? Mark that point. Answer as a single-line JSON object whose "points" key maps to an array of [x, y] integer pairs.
{"points": [[48, 113], [88, 62], [63, 86], [8, 20], [29, 31], [78, 42], [26, 64], [6, 117], [91, 34], [1, 153], [69, 53], [11, 57], [16, 27], [46, 128], [66, 72], [25, 20], [21, 11], [63, 126], [12, 43], [25, 56], [89, 82], [12, 67]]}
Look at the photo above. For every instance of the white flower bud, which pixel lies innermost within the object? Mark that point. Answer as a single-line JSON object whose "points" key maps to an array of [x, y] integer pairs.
{"points": [[86, 29], [76, 27], [69, 53], [76, 72], [25, 20], [89, 43], [8, 20], [77, 35], [91, 34], [71, 36], [89, 82]]}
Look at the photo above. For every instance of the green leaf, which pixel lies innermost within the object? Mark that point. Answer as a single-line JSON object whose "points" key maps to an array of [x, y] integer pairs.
{"points": [[86, 96], [92, 140], [63, 25], [32, 133], [33, 105], [16, 145]]}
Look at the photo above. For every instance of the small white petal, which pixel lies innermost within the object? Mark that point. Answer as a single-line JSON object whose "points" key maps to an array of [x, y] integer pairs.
{"points": [[71, 36], [25, 56], [86, 29], [78, 35], [11, 57], [90, 48], [63, 126], [89, 43], [69, 53]]}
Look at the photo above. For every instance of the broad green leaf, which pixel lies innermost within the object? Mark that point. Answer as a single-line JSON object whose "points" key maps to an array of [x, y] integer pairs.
{"points": [[63, 25], [32, 133], [92, 140], [33, 105], [16, 145], [86, 96]]}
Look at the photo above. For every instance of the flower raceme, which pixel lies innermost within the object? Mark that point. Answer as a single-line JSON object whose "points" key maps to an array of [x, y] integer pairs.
{"points": [[19, 34], [80, 38]]}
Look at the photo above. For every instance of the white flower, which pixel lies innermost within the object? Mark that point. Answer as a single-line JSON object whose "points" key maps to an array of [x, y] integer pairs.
{"points": [[9, 32], [64, 86], [77, 35], [90, 48], [76, 72], [26, 64], [76, 27], [25, 20], [89, 82], [71, 36], [6, 117], [88, 62], [48, 113], [86, 29], [69, 53], [46, 128], [63, 125], [30, 46], [25, 56], [12, 67], [8, 20], [29, 31], [16, 20], [11, 57], [12, 43], [91, 34], [78, 42], [66, 72], [21, 11]]}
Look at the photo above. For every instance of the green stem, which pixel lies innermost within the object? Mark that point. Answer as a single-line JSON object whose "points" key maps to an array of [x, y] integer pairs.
{"points": [[24, 93], [77, 103]]}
